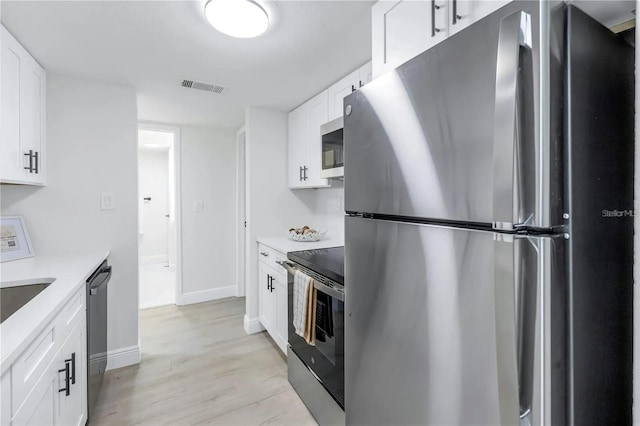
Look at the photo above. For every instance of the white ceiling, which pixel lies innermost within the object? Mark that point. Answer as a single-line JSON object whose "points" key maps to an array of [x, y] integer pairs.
{"points": [[154, 45]]}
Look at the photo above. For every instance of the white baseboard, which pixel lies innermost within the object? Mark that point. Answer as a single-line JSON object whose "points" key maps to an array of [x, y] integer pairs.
{"points": [[252, 325], [123, 357], [206, 295], [153, 259]]}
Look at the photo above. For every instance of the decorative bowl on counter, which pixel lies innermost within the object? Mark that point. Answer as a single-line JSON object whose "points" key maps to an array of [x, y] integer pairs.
{"points": [[306, 234]]}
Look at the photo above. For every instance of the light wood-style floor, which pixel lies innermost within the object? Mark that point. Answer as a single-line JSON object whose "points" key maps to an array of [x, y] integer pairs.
{"points": [[200, 367]]}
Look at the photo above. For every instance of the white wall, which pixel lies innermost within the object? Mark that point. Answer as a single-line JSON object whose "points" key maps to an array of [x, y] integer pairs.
{"points": [[272, 207], [153, 182], [208, 237], [91, 148], [328, 209]]}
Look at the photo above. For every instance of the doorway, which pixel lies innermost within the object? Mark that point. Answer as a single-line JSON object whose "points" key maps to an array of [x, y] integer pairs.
{"points": [[158, 215]]}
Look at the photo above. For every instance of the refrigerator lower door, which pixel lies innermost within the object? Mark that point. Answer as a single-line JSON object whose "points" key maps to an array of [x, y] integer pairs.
{"points": [[450, 326]]}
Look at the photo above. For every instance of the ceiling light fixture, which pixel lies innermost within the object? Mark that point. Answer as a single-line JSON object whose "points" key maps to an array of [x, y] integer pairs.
{"points": [[237, 18]]}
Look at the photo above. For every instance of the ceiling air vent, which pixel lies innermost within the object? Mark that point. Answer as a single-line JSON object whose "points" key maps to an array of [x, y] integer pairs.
{"points": [[190, 84]]}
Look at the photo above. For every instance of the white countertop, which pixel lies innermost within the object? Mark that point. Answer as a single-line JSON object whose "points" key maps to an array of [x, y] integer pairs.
{"points": [[285, 245], [70, 273]]}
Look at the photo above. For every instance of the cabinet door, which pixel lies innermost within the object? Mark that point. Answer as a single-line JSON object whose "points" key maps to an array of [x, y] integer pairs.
{"points": [[32, 118], [72, 407], [482, 8], [267, 300], [23, 111], [40, 408], [282, 325], [297, 146], [460, 15], [317, 115], [400, 30], [14, 65], [338, 91], [365, 74]]}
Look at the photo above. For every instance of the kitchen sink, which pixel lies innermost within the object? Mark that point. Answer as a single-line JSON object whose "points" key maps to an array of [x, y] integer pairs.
{"points": [[15, 297]]}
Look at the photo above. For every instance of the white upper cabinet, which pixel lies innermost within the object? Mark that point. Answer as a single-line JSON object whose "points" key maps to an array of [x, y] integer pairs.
{"points": [[305, 145], [366, 74], [402, 29], [23, 115], [347, 85], [464, 12], [305, 139], [339, 90]]}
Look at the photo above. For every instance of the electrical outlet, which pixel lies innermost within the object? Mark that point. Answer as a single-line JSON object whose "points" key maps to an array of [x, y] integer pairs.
{"points": [[106, 201], [199, 206]]}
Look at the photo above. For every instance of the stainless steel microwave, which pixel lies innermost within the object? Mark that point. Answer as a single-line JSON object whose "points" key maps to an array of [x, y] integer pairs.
{"points": [[332, 149]]}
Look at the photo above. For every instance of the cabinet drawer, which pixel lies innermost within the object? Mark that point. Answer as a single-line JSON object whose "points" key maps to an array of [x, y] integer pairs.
{"points": [[269, 256], [70, 313]]}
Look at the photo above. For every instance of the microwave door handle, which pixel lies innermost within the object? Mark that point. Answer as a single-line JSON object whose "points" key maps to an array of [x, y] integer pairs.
{"points": [[287, 265]]}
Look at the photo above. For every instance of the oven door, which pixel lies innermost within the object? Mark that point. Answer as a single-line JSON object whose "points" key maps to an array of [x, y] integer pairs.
{"points": [[326, 358]]}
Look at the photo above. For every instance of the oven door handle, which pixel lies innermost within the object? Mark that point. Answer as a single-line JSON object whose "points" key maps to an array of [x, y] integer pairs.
{"points": [[336, 294], [287, 265]]}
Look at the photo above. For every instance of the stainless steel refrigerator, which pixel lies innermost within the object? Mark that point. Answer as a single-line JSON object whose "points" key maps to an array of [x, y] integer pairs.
{"points": [[489, 198]]}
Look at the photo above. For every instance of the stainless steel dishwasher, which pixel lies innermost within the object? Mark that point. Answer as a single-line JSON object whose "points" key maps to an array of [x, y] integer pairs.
{"points": [[96, 332]]}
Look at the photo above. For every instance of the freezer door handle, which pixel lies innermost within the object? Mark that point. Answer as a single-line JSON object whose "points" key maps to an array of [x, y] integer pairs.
{"points": [[516, 307], [513, 83]]}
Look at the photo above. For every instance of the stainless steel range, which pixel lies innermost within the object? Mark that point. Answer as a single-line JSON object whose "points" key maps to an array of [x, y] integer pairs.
{"points": [[317, 371]]}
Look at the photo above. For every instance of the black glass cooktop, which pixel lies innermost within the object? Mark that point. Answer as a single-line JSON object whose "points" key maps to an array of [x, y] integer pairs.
{"points": [[327, 262]]}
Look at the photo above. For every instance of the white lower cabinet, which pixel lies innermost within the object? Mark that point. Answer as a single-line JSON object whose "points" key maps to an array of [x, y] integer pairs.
{"points": [[47, 384], [40, 406], [267, 299], [282, 311], [273, 295], [72, 403]]}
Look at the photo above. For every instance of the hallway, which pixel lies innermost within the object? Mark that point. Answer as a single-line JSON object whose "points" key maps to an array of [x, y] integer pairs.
{"points": [[199, 366]]}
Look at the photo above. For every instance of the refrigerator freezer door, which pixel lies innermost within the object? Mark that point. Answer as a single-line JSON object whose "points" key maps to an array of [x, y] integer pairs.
{"points": [[437, 137], [431, 340]]}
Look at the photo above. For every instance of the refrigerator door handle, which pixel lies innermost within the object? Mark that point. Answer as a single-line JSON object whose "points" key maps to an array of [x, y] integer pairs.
{"points": [[515, 40], [516, 307]]}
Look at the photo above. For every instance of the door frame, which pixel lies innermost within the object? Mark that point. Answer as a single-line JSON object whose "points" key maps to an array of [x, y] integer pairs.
{"points": [[241, 211], [177, 191]]}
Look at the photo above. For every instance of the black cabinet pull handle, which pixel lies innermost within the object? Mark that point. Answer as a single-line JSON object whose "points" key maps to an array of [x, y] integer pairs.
{"points": [[456, 16], [268, 282], [67, 388], [30, 154], [353, 88], [304, 174], [72, 360], [360, 83], [434, 7], [36, 157], [271, 279], [300, 173]]}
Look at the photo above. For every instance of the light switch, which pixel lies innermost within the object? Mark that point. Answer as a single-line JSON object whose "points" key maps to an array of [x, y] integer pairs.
{"points": [[106, 201], [199, 206]]}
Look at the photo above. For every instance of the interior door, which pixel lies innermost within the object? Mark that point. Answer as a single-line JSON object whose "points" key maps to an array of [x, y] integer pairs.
{"points": [[442, 325]]}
